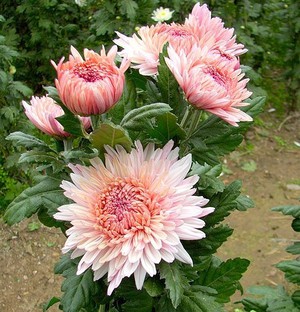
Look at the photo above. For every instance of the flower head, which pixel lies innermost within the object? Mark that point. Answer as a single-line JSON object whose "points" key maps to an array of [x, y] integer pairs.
{"points": [[131, 212], [199, 29], [43, 112], [162, 14], [211, 83], [92, 85]]}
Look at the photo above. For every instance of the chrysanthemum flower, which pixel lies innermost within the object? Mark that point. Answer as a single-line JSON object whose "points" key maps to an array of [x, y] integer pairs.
{"points": [[199, 28], [162, 14], [42, 113], [92, 85], [211, 83], [131, 212]]}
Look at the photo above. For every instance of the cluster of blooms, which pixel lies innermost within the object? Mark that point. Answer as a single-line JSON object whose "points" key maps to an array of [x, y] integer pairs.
{"points": [[131, 212], [202, 55]]}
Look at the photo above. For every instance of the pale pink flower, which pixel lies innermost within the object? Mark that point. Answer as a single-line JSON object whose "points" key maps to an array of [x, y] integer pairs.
{"points": [[92, 85], [131, 212], [211, 83], [199, 28], [43, 112]]}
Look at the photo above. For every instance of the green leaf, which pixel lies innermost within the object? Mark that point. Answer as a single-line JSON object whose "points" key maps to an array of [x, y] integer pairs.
{"points": [[128, 7], [169, 88], [34, 156], [28, 141], [110, 134], [199, 301], [138, 118], [70, 122], [269, 299], [52, 92], [294, 249], [291, 269], [215, 237], [244, 202], [78, 290], [50, 303], [224, 277], [46, 193], [293, 211], [296, 298], [154, 286], [249, 166], [224, 203], [296, 225], [135, 300], [166, 128], [165, 305], [209, 181], [175, 281], [80, 153]]}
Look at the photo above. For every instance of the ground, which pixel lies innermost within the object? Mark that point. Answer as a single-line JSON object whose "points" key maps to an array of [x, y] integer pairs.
{"points": [[268, 164]]}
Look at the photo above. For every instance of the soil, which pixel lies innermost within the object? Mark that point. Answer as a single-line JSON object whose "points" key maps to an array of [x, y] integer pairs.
{"points": [[268, 163]]}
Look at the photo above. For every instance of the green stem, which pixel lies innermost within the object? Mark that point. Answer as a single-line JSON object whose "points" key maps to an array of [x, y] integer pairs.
{"points": [[102, 308], [68, 144], [185, 117]]}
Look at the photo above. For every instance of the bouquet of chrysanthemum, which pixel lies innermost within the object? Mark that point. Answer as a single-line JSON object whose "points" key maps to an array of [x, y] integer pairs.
{"points": [[132, 174]]}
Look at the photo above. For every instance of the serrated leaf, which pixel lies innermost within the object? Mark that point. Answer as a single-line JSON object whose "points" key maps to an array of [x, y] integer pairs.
{"points": [[215, 237], [137, 118], [50, 303], [169, 88], [269, 299], [224, 203], [244, 202], [288, 210], [198, 301], [29, 201], [70, 122], [175, 281], [154, 286], [27, 140], [78, 290], [166, 128], [128, 7], [294, 249], [110, 134], [249, 166], [224, 277], [34, 156], [135, 300], [82, 153], [296, 298], [291, 269], [209, 181], [52, 92]]}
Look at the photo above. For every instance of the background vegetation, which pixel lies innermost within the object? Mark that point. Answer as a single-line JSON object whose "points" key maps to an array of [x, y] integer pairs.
{"points": [[32, 32]]}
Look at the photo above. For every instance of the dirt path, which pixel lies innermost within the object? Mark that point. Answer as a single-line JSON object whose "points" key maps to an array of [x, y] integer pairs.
{"points": [[27, 256]]}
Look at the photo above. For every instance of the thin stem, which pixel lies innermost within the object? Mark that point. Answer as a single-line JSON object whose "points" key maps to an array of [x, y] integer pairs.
{"points": [[102, 308], [68, 143], [186, 114]]}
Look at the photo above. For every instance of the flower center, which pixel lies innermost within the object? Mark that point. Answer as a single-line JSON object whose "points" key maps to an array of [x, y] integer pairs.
{"points": [[124, 206], [91, 71], [217, 76]]}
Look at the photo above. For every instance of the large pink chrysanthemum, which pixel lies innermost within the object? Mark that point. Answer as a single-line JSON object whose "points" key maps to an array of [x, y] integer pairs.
{"points": [[92, 85], [199, 28], [43, 112], [211, 83], [132, 212]]}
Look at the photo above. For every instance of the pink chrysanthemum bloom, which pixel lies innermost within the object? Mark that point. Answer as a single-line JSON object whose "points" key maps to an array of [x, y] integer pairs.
{"points": [[43, 112], [92, 85], [199, 28], [211, 83], [131, 212]]}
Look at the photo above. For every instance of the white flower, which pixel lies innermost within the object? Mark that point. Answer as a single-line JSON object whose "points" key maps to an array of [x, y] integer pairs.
{"points": [[162, 14], [80, 3]]}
